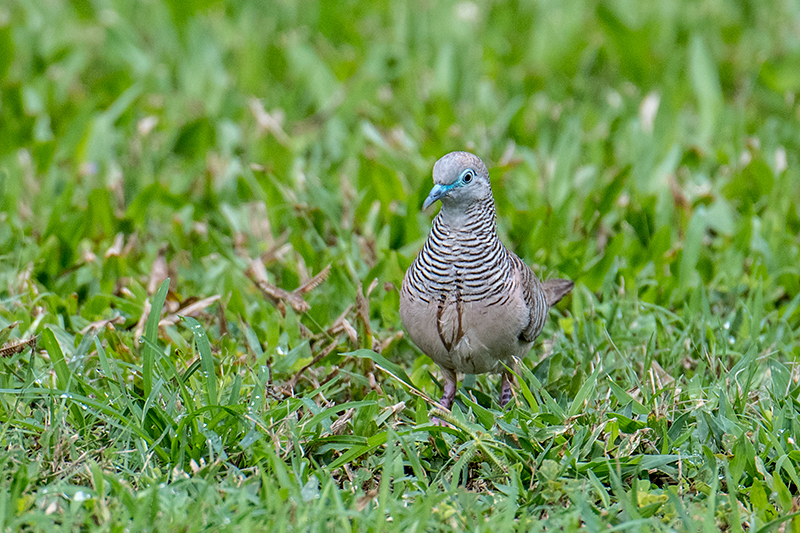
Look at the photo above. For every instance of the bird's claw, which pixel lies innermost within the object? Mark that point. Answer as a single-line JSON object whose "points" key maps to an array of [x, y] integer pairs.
{"points": [[439, 422]]}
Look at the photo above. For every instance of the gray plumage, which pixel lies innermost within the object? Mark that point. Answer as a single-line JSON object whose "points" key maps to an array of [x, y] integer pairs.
{"points": [[467, 301]]}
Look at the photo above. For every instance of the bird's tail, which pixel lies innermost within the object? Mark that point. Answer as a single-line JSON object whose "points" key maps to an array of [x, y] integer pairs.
{"points": [[555, 289]]}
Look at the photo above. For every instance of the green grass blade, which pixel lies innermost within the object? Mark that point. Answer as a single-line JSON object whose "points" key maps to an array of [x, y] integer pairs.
{"points": [[151, 333], [64, 377], [207, 360], [63, 374], [583, 393], [379, 439]]}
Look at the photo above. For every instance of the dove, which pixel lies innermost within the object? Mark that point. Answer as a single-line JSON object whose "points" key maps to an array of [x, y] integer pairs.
{"points": [[466, 301]]}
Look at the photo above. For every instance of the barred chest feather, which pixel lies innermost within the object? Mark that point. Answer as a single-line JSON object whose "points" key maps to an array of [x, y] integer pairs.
{"points": [[461, 301]]}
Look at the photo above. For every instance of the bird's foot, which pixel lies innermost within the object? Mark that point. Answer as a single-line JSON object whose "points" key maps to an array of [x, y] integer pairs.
{"points": [[504, 399], [436, 421], [505, 389], [448, 397]]}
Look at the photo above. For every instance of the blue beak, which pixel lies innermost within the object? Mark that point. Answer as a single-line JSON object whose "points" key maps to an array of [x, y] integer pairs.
{"points": [[436, 194]]}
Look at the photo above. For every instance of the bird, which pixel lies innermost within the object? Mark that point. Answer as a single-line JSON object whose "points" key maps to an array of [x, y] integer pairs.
{"points": [[467, 301]]}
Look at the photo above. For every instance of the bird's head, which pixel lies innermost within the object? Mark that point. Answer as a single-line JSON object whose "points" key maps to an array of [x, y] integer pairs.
{"points": [[460, 179]]}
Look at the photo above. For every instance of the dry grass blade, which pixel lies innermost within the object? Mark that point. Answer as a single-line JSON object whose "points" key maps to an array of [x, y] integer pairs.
{"points": [[270, 123], [258, 275], [11, 348], [116, 247], [314, 282], [372, 286], [362, 314], [344, 325], [660, 377], [321, 355], [382, 345], [362, 305], [193, 309], [159, 272], [139, 330], [365, 500], [101, 324], [337, 324], [373, 383], [279, 297], [278, 248], [338, 426]]}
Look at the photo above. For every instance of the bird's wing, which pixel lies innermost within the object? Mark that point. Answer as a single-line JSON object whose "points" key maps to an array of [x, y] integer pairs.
{"points": [[535, 300]]}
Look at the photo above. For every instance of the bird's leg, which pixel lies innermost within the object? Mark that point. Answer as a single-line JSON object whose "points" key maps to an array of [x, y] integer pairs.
{"points": [[507, 383], [450, 384]]}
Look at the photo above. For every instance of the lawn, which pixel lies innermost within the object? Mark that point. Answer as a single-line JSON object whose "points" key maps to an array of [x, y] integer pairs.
{"points": [[206, 210]]}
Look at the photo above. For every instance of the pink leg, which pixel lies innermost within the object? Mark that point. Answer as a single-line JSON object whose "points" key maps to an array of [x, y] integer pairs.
{"points": [[450, 384], [505, 388]]}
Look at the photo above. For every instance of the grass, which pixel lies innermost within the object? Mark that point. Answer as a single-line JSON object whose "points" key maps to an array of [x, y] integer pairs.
{"points": [[207, 208]]}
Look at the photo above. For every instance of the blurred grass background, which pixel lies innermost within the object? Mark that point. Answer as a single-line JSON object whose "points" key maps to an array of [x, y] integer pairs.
{"points": [[648, 151]]}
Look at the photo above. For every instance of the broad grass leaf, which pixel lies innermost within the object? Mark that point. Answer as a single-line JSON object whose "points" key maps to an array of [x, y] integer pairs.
{"points": [[706, 85], [391, 368]]}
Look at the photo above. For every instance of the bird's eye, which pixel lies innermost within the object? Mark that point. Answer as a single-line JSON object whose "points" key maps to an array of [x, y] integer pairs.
{"points": [[467, 177]]}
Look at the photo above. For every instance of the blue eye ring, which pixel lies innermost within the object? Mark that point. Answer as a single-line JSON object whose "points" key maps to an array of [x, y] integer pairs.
{"points": [[466, 177]]}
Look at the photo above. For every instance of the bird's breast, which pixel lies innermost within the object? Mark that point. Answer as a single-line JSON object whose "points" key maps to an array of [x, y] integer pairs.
{"points": [[466, 335]]}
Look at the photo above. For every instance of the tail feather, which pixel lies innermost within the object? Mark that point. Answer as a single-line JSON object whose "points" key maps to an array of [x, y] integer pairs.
{"points": [[555, 289]]}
